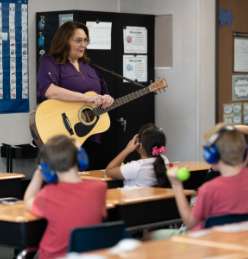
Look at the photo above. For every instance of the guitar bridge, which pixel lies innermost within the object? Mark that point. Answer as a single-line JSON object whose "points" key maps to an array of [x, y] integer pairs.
{"points": [[67, 123]]}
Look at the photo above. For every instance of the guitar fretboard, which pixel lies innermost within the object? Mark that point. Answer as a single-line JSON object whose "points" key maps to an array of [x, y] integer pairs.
{"points": [[123, 100]]}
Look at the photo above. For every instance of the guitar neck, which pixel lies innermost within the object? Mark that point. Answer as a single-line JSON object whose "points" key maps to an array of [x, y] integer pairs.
{"points": [[123, 100]]}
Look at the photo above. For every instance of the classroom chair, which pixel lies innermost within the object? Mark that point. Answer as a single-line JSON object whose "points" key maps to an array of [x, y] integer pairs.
{"points": [[95, 237], [225, 219]]}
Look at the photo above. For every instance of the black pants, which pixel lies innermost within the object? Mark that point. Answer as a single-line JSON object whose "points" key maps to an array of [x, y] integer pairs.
{"points": [[97, 158]]}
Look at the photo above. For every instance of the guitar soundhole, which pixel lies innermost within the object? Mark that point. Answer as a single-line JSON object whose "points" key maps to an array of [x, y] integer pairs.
{"points": [[87, 115]]}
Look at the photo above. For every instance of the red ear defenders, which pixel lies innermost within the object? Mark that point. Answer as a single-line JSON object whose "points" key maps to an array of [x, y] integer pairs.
{"points": [[50, 176], [210, 150]]}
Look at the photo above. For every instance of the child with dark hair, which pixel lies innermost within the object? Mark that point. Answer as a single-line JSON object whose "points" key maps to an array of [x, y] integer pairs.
{"points": [[150, 169], [66, 204]]}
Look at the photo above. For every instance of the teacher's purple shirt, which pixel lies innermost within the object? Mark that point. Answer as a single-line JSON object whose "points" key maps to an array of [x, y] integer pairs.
{"points": [[66, 76]]}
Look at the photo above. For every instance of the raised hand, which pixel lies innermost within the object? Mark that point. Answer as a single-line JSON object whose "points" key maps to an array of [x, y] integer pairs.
{"points": [[133, 144]]}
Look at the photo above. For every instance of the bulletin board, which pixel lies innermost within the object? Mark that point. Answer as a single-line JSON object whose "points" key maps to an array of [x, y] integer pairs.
{"points": [[14, 95], [232, 61]]}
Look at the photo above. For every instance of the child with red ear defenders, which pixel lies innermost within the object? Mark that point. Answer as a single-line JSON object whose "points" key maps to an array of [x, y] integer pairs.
{"points": [[226, 194], [150, 169], [70, 202]]}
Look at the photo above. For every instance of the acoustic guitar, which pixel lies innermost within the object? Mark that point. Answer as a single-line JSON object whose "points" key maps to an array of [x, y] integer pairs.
{"points": [[79, 120]]}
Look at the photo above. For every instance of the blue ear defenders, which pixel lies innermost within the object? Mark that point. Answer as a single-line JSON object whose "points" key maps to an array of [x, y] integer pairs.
{"points": [[50, 176], [83, 160], [210, 150]]}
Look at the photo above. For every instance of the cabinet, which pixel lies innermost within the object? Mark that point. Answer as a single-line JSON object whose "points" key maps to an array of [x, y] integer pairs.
{"points": [[127, 119]]}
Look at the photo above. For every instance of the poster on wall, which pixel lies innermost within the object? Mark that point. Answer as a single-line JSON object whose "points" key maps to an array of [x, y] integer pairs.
{"points": [[63, 18], [245, 113], [100, 35], [14, 56], [240, 54], [239, 87], [232, 113], [135, 67], [135, 40]]}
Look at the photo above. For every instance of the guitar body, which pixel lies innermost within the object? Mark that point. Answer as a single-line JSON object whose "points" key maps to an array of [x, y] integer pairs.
{"points": [[74, 119]]}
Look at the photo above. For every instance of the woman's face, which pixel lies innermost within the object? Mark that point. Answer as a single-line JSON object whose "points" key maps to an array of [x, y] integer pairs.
{"points": [[78, 43]]}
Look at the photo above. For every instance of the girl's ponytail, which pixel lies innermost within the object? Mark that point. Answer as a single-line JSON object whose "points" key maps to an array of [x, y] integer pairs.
{"points": [[160, 172]]}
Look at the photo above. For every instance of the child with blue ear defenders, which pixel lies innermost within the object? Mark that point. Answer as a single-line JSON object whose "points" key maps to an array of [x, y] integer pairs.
{"points": [[50, 176], [225, 150], [69, 203]]}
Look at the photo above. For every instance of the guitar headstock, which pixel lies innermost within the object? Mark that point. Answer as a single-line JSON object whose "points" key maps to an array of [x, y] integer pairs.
{"points": [[158, 85]]}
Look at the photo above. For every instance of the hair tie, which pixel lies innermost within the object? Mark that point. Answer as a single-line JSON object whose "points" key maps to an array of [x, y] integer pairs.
{"points": [[156, 151]]}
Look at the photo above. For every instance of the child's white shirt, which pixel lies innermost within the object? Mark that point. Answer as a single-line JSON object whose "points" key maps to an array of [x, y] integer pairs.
{"points": [[139, 173]]}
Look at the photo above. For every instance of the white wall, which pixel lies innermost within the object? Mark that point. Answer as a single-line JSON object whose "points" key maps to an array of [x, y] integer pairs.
{"points": [[15, 127], [187, 108]]}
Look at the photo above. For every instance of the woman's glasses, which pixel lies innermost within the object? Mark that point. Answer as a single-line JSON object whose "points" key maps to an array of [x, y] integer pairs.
{"points": [[80, 41]]}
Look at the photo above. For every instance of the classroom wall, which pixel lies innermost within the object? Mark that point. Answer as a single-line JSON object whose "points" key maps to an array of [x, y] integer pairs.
{"points": [[187, 108], [15, 127]]}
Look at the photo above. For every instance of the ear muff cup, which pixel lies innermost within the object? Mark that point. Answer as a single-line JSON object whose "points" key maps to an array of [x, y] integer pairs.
{"points": [[83, 160], [49, 175], [210, 151], [211, 154]]}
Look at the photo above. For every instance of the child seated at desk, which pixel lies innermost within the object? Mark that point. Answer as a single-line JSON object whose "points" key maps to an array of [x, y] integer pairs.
{"points": [[66, 204], [150, 169], [226, 151]]}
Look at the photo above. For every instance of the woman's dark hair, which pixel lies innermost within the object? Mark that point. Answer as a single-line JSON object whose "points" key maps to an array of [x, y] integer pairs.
{"points": [[151, 136], [60, 47], [60, 153]]}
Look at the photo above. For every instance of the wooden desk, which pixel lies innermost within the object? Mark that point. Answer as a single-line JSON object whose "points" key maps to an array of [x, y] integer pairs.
{"points": [[172, 250], [144, 207], [198, 171], [16, 212], [136, 207], [10, 176], [193, 166], [11, 184], [95, 175], [218, 238], [126, 196], [19, 228], [100, 175]]}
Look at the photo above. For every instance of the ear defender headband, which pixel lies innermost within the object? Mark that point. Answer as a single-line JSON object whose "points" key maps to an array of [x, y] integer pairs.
{"points": [[210, 151], [50, 176]]}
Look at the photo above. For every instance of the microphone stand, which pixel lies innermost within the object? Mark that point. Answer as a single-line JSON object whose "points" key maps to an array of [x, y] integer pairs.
{"points": [[121, 120], [116, 75]]}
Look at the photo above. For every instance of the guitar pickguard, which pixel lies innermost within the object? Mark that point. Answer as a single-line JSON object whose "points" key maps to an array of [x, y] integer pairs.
{"points": [[82, 129]]}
